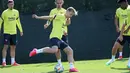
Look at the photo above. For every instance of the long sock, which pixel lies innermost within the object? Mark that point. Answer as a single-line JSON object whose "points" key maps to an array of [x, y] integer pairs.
{"points": [[129, 62], [12, 60], [4, 60], [71, 65], [39, 51], [120, 53], [59, 61], [113, 57]]}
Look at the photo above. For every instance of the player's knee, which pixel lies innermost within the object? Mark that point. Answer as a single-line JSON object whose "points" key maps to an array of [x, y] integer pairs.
{"points": [[5, 47], [116, 45], [58, 51], [68, 50], [55, 50], [12, 47], [71, 51]]}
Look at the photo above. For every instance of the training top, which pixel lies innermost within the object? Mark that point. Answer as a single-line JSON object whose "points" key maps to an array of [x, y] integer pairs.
{"points": [[124, 17], [11, 21], [56, 11], [58, 24]]}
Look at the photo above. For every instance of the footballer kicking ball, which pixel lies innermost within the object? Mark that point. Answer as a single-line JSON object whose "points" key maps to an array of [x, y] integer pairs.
{"points": [[59, 69]]}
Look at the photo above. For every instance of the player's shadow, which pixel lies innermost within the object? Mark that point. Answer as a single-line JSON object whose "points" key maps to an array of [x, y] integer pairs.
{"points": [[8, 66], [119, 68], [55, 72], [123, 60], [43, 64], [126, 72], [51, 65]]}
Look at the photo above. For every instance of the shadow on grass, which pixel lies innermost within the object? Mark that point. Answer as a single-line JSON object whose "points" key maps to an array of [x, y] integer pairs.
{"points": [[8, 66], [45, 64], [51, 65], [126, 72], [55, 72], [123, 60], [119, 68]]}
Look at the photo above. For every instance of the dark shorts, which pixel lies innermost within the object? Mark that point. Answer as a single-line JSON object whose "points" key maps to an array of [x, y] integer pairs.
{"points": [[10, 39], [65, 39], [57, 42], [125, 38]]}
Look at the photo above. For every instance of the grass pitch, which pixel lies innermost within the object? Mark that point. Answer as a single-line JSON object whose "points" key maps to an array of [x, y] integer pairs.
{"points": [[89, 66]]}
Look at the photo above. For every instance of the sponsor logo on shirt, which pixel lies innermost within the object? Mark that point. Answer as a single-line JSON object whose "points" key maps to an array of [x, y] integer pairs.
{"points": [[11, 18], [124, 15]]}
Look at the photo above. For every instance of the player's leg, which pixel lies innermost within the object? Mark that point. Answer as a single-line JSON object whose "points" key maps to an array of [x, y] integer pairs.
{"points": [[13, 42], [128, 39], [118, 44], [4, 51], [35, 51], [128, 65], [70, 56], [58, 57], [120, 53], [53, 49], [58, 54]]}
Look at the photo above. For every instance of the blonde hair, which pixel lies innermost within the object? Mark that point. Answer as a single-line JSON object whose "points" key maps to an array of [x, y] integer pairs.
{"points": [[57, 0], [73, 9]]}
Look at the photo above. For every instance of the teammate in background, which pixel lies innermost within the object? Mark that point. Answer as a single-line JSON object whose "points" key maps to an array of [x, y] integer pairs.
{"points": [[11, 20], [126, 31], [118, 29], [122, 16], [56, 37], [55, 11]]}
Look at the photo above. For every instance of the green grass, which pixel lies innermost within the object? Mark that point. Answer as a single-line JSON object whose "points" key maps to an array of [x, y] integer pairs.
{"points": [[91, 66]]}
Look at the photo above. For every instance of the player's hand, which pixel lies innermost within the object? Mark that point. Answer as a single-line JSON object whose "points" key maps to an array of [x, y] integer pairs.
{"points": [[45, 26], [68, 21], [21, 33], [117, 30], [34, 16], [126, 31], [65, 33], [120, 38]]}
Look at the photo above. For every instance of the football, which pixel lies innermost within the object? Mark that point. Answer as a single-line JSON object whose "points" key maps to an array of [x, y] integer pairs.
{"points": [[59, 69]]}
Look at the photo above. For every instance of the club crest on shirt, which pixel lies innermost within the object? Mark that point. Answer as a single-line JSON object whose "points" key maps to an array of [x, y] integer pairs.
{"points": [[61, 12]]}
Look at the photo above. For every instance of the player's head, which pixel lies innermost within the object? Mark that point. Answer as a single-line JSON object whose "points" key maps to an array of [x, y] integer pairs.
{"points": [[123, 3], [11, 4], [70, 12], [59, 3]]}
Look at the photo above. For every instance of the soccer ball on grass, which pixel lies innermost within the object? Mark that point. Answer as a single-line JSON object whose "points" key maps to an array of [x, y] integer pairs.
{"points": [[59, 69]]}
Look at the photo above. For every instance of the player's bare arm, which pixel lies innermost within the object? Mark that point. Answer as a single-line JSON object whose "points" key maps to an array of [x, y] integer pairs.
{"points": [[1, 21], [122, 31], [42, 17], [47, 24], [116, 24], [19, 26]]}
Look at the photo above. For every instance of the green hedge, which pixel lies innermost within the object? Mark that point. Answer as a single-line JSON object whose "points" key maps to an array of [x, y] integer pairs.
{"points": [[28, 6]]}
